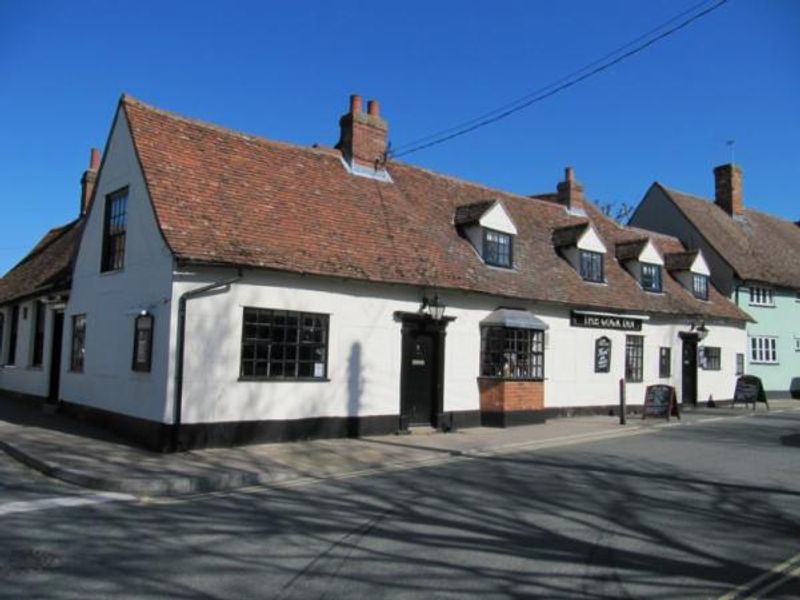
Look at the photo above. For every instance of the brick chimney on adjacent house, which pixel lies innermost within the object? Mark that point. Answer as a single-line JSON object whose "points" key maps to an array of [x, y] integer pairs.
{"points": [[728, 189], [88, 180], [364, 136], [570, 192]]}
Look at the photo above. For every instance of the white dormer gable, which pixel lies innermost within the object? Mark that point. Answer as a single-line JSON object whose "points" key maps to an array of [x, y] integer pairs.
{"points": [[651, 255], [490, 231], [700, 266], [497, 218], [590, 241]]}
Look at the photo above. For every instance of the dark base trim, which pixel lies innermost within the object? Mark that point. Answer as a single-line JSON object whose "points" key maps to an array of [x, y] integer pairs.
{"points": [[156, 436], [782, 394], [512, 418], [215, 435], [23, 397], [143, 432]]}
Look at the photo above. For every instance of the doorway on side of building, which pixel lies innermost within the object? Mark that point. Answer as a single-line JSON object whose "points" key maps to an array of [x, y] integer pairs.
{"points": [[422, 370], [689, 368]]}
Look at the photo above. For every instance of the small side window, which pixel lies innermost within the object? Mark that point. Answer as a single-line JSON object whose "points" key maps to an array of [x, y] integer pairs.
{"points": [[78, 352], [142, 343]]}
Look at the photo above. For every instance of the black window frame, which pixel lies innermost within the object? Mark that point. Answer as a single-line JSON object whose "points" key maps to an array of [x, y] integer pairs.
{"points": [[512, 353], [591, 266], [115, 228], [39, 316], [652, 282], [494, 253], [13, 334], [2, 334], [634, 358], [272, 351], [665, 362], [700, 292], [143, 343], [711, 358], [77, 355]]}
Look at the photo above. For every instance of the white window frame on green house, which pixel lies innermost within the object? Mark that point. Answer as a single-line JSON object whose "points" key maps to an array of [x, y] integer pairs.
{"points": [[763, 349], [761, 296]]}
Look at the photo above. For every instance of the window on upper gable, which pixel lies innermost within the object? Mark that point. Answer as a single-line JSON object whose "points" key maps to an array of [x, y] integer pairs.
{"points": [[591, 266], [700, 286], [651, 277], [761, 296], [114, 230], [498, 248]]}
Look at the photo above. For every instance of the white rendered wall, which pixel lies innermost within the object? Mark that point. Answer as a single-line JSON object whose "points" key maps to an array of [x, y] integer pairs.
{"points": [[364, 353], [111, 300], [22, 376]]}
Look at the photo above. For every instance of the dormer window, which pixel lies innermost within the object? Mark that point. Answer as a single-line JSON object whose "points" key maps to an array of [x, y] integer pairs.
{"points": [[497, 248], [489, 229], [700, 286], [591, 266], [651, 277]]}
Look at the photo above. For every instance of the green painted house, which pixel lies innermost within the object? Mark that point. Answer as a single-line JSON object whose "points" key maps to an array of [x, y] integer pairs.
{"points": [[754, 259]]}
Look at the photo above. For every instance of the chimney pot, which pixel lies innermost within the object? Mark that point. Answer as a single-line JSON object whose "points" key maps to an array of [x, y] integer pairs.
{"points": [[570, 192], [728, 189], [94, 159], [363, 137]]}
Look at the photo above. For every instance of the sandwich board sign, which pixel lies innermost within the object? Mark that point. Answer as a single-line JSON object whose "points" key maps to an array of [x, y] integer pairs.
{"points": [[660, 401]]}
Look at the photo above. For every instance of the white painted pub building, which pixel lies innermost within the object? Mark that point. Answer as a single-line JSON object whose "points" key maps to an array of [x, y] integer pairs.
{"points": [[228, 289]]}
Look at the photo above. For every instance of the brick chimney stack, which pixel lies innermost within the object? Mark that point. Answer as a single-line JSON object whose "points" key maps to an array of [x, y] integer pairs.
{"points": [[364, 136], [570, 192], [728, 189], [88, 180]]}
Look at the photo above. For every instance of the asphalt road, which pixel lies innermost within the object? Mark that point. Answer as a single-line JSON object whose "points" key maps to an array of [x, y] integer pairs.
{"points": [[689, 511]]}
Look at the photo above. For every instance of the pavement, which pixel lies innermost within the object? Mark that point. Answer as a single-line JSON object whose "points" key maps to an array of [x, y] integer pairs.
{"points": [[78, 453]]}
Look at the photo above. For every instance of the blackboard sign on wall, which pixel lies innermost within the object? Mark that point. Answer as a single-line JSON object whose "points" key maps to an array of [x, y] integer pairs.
{"points": [[602, 355], [660, 401], [749, 389]]}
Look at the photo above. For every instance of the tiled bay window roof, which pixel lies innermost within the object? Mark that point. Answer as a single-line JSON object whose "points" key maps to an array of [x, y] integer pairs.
{"points": [[226, 198]]}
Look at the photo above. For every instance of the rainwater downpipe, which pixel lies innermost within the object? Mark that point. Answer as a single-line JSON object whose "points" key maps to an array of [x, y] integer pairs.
{"points": [[179, 351]]}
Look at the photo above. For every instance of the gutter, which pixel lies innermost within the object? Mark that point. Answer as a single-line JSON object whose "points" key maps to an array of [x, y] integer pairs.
{"points": [[179, 351]]}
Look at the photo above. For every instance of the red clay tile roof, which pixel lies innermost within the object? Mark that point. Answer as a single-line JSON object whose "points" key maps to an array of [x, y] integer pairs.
{"points": [[223, 197], [680, 261], [471, 213], [758, 246], [630, 250], [47, 268], [569, 235]]}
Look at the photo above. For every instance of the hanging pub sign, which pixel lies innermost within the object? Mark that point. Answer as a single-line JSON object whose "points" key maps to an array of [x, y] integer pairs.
{"points": [[598, 321], [602, 355]]}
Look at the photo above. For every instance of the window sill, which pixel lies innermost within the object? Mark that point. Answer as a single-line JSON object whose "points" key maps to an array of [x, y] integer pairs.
{"points": [[112, 272], [763, 362], [498, 378], [284, 379], [761, 305]]}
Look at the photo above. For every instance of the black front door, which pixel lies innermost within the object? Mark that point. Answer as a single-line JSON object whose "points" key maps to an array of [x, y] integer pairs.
{"points": [[419, 377], [55, 355], [689, 370]]}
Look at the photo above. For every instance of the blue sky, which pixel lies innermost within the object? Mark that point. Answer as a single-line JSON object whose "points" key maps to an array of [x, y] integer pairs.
{"points": [[284, 70]]}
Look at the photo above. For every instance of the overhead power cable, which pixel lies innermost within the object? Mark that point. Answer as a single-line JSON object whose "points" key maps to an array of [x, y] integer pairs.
{"points": [[594, 68]]}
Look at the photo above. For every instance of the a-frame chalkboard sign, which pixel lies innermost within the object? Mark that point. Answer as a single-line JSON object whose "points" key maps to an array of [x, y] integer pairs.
{"points": [[660, 401], [749, 389]]}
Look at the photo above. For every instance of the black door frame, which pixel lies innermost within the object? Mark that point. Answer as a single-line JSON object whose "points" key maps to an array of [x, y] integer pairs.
{"points": [[422, 323], [690, 342]]}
